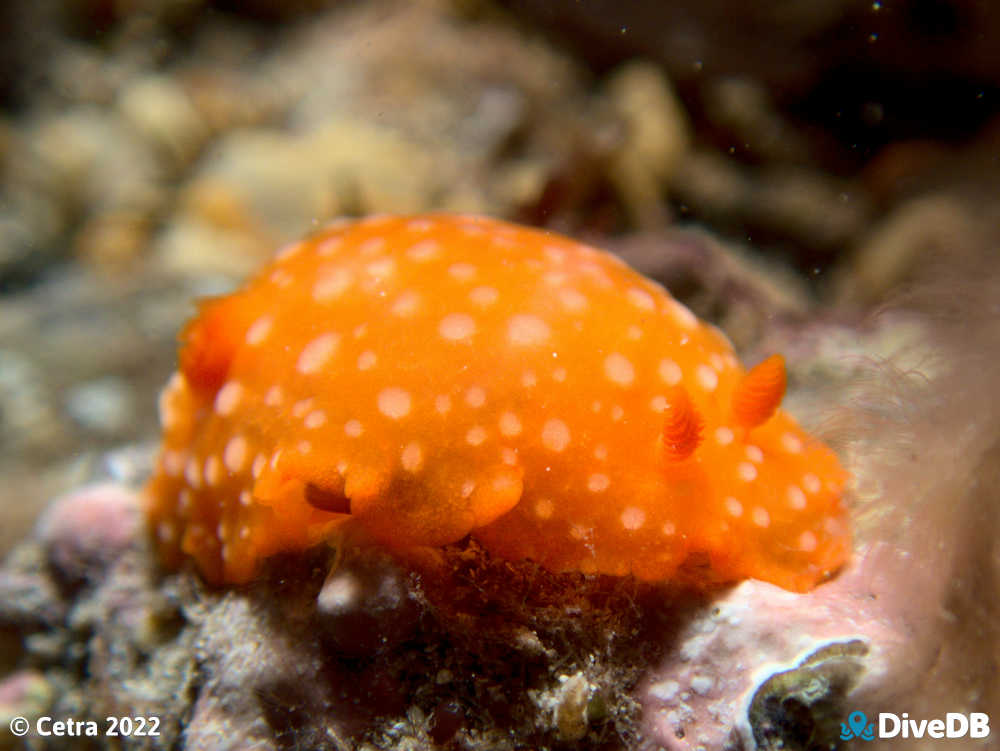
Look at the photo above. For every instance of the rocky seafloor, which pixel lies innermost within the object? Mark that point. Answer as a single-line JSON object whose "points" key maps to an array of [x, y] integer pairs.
{"points": [[348, 648], [782, 173]]}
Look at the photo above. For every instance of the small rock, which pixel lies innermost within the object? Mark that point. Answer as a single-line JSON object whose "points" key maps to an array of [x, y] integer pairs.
{"points": [[27, 416], [113, 239], [365, 605], [657, 135], [894, 252], [24, 694], [446, 721], [89, 160], [752, 121], [103, 405], [158, 108], [86, 530], [29, 600], [571, 702]]}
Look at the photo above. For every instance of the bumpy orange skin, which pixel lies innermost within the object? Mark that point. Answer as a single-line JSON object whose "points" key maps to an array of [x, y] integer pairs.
{"points": [[435, 376]]}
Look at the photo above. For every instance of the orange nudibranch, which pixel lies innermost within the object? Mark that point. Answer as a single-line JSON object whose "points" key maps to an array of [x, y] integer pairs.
{"points": [[432, 377]]}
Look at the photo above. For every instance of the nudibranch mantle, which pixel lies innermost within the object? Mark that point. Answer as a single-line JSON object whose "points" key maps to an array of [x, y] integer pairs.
{"points": [[437, 376]]}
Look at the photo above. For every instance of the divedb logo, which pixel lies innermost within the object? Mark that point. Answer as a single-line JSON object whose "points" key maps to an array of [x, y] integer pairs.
{"points": [[954, 725]]}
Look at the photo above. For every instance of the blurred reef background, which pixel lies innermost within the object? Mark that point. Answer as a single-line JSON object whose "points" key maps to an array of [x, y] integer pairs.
{"points": [[154, 151], [785, 168]]}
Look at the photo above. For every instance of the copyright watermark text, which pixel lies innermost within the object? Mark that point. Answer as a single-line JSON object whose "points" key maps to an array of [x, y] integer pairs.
{"points": [[69, 727]]}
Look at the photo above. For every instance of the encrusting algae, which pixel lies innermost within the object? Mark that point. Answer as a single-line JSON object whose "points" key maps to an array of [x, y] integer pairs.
{"points": [[430, 377]]}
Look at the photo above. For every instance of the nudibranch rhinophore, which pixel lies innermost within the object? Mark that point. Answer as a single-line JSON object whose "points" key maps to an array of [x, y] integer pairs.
{"points": [[437, 376]]}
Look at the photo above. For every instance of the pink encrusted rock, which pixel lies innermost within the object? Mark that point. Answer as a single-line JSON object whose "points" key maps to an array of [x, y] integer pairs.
{"points": [[87, 529], [703, 688], [910, 624]]}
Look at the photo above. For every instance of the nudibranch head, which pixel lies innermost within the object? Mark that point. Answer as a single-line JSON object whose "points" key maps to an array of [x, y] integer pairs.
{"points": [[431, 377]]}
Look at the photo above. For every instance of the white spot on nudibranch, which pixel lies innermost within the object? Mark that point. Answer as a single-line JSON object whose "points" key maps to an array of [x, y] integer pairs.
{"points": [[708, 379], [192, 473], [510, 425], [381, 269], [213, 470], [457, 327], [791, 443], [811, 482], [353, 428], [366, 360], [424, 250], [330, 246], [619, 369], [274, 396], [259, 330], [484, 296], [300, 408], [598, 482], [555, 435], [670, 372], [633, 518], [394, 402], [796, 498], [554, 253], [281, 278], [463, 272], [419, 225], [527, 330], [315, 419], [475, 397], [760, 517], [544, 508], [228, 398], [746, 471], [641, 299], [234, 455], [807, 542], [371, 246], [573, 300], [406, 304], [684, 317], [554, 278], [733, 507], [315, 354], [476, 435], [331, 284], [412, 457]]}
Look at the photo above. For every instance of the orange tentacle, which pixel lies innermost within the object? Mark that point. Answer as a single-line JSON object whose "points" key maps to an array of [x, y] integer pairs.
{"points": [[759, 393], [682, 426]]}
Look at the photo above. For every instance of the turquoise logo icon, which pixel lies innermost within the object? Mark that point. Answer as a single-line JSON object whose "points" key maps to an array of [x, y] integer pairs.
{"points": [[857, 726]]}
